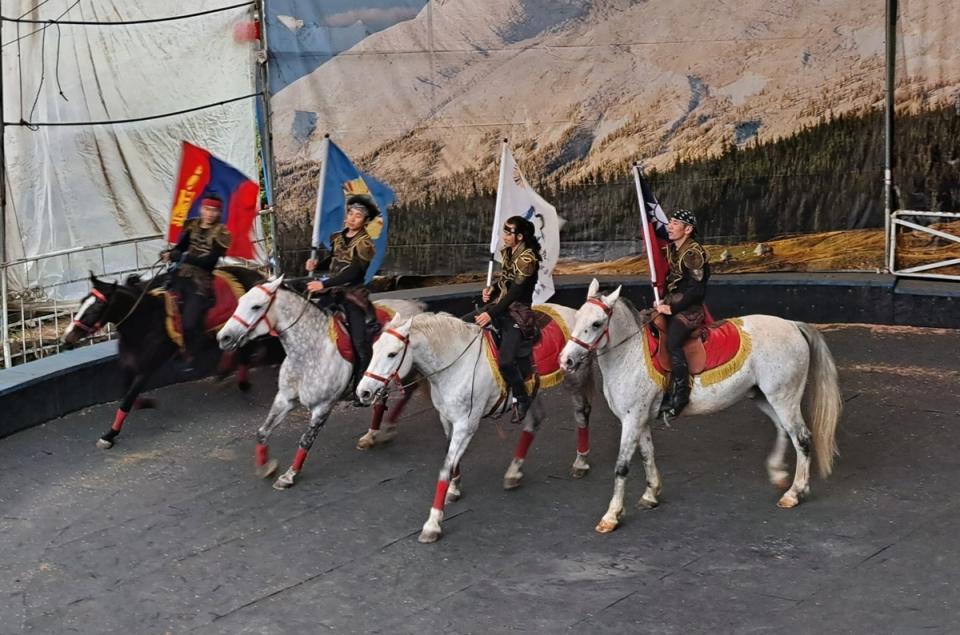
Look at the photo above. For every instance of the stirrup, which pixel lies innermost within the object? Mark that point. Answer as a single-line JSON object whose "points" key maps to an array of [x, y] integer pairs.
{"points": [[520, 409]]}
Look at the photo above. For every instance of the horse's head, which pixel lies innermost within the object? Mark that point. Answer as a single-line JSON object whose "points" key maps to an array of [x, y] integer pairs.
{"points": [[93, 313], [391, 360], [251, 319], [591, 329]]}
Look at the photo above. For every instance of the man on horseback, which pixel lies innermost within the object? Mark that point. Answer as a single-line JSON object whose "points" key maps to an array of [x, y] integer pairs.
{"points": [[350, 256], [203, 241], [683, 306], [511, 312]]}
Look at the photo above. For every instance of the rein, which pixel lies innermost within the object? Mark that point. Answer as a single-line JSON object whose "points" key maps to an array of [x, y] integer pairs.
{"points": [[395, 376], [90, 330], [606, 332]]}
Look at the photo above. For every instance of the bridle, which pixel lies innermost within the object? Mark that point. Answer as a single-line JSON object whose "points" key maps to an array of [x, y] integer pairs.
{"points": [[90, 330], [606, 331], [395, 375], [263, 317]]}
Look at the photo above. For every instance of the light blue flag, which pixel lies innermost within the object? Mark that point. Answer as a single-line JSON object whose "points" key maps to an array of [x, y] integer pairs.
{"points": [[339, 178]]}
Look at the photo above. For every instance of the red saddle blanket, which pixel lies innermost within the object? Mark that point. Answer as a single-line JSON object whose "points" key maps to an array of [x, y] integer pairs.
{"points": [[721, 346], [546, 352], [340, 335], [226, 289]]}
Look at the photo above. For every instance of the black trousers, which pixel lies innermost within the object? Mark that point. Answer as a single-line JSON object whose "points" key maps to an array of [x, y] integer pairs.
{"points": [[193, 311], [677, 334], [514, 355]]}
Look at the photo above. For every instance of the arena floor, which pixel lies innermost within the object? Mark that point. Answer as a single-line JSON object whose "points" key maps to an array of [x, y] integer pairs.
{"points": [[170, 532]]}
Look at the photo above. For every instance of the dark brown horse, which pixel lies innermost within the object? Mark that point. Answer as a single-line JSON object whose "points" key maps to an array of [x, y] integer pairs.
{"points": [[144, 342]]}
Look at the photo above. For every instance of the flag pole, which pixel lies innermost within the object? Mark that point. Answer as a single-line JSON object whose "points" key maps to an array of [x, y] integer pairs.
{"points": [[314, 243], [647, 238], [501, 183]]}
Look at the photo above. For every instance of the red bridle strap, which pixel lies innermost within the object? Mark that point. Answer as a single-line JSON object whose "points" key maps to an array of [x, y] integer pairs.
{"points": [[263, 318], [89, 330], [395, 375], [606, 331]]}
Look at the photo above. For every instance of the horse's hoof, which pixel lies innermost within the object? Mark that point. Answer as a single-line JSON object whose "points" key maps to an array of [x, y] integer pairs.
{"points": [[286, 480], [104, 444], [268, 469], [647, 503], [788, 501], [606, 526], [367, 441], [512, 482], [427, 537], [579, 472], [453, 494]]}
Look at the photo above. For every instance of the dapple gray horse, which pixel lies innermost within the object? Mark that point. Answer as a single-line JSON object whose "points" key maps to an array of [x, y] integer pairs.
{"points": [[785, 360], [313, 371]]}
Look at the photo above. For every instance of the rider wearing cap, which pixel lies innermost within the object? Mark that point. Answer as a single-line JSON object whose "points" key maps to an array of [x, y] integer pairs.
{"points": [[352, 250], [683, 305], [202, 242]]}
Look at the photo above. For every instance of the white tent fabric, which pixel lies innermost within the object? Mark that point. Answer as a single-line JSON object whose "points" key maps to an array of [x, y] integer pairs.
{"points": [[83, 185]]}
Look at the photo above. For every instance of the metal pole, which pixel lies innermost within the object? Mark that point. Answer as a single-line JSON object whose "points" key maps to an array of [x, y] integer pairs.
{"points": [[888, 160], [4, 322], [266, 141]]}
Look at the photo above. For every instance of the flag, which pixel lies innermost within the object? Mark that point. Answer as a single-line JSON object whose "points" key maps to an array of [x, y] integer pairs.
{"points": [[655, 237], [339, 178], [515, 197], [202, 174]]}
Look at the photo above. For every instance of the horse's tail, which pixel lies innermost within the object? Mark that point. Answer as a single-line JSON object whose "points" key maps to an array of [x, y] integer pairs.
{"points": [[824, 398]]}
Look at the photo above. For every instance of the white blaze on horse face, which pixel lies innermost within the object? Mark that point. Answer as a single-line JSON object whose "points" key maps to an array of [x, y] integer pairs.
{"points": [[89, 302]]}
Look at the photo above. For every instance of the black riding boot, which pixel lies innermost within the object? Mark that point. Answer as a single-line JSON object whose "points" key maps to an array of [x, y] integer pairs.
{"points": [[515, 381], [678, 393]]}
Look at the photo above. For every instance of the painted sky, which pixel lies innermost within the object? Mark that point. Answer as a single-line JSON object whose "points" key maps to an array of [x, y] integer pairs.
{"points": [[304, 35]]}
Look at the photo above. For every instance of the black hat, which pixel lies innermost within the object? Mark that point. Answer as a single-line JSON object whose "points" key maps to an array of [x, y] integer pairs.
{"points": [[364, 202], [685, 216]]}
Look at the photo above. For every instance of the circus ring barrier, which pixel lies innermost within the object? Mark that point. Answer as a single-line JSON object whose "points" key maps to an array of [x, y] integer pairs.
{"points": [[38, 391]]}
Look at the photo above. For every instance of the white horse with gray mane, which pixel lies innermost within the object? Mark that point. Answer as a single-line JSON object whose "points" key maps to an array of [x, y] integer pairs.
{"points": [[785, 360], [451, 355], [313, 371]]}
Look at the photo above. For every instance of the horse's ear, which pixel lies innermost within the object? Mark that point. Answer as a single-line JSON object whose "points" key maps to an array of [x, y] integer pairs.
{"points": [[611, 299], [93, 277], [273, 285], [404, 327], [594, 289]]}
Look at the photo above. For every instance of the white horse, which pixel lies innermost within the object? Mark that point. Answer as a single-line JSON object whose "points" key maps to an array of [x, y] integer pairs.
{"points": [[785, 359], [451, 355], [313, 371]]}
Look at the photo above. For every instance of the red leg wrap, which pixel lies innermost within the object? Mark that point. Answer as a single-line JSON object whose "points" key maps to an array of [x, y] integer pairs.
{"points": [[243, 371], [378, 409], [526, 438], [298, 460], [262, 454], [583, 440], [226, 363], [118, 420], [441, 496]]}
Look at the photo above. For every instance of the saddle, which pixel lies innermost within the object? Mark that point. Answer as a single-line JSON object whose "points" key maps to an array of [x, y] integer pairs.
{"points": [[341, 335], [227, 289], [713, 346], [543, 351]]}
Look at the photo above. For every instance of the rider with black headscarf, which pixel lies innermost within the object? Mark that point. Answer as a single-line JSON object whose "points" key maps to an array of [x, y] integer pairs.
{"points": [[510, 312]]}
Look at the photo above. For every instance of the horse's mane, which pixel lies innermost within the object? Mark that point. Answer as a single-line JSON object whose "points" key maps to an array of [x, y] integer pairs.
{"points": [[439, 325], [134, 283], [636, 313]]}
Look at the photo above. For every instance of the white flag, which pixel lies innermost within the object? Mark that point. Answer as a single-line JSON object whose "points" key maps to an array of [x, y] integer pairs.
{"points": [[515, 197]]}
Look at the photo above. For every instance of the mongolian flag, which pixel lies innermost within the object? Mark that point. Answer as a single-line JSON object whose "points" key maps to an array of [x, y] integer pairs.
{"points": [[655, 237], [339, 178], [202, 174]]}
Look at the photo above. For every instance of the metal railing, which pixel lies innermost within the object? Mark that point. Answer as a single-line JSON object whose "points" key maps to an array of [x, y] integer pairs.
{"points": [[925, 270], [37, 314], [35, 317]]}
